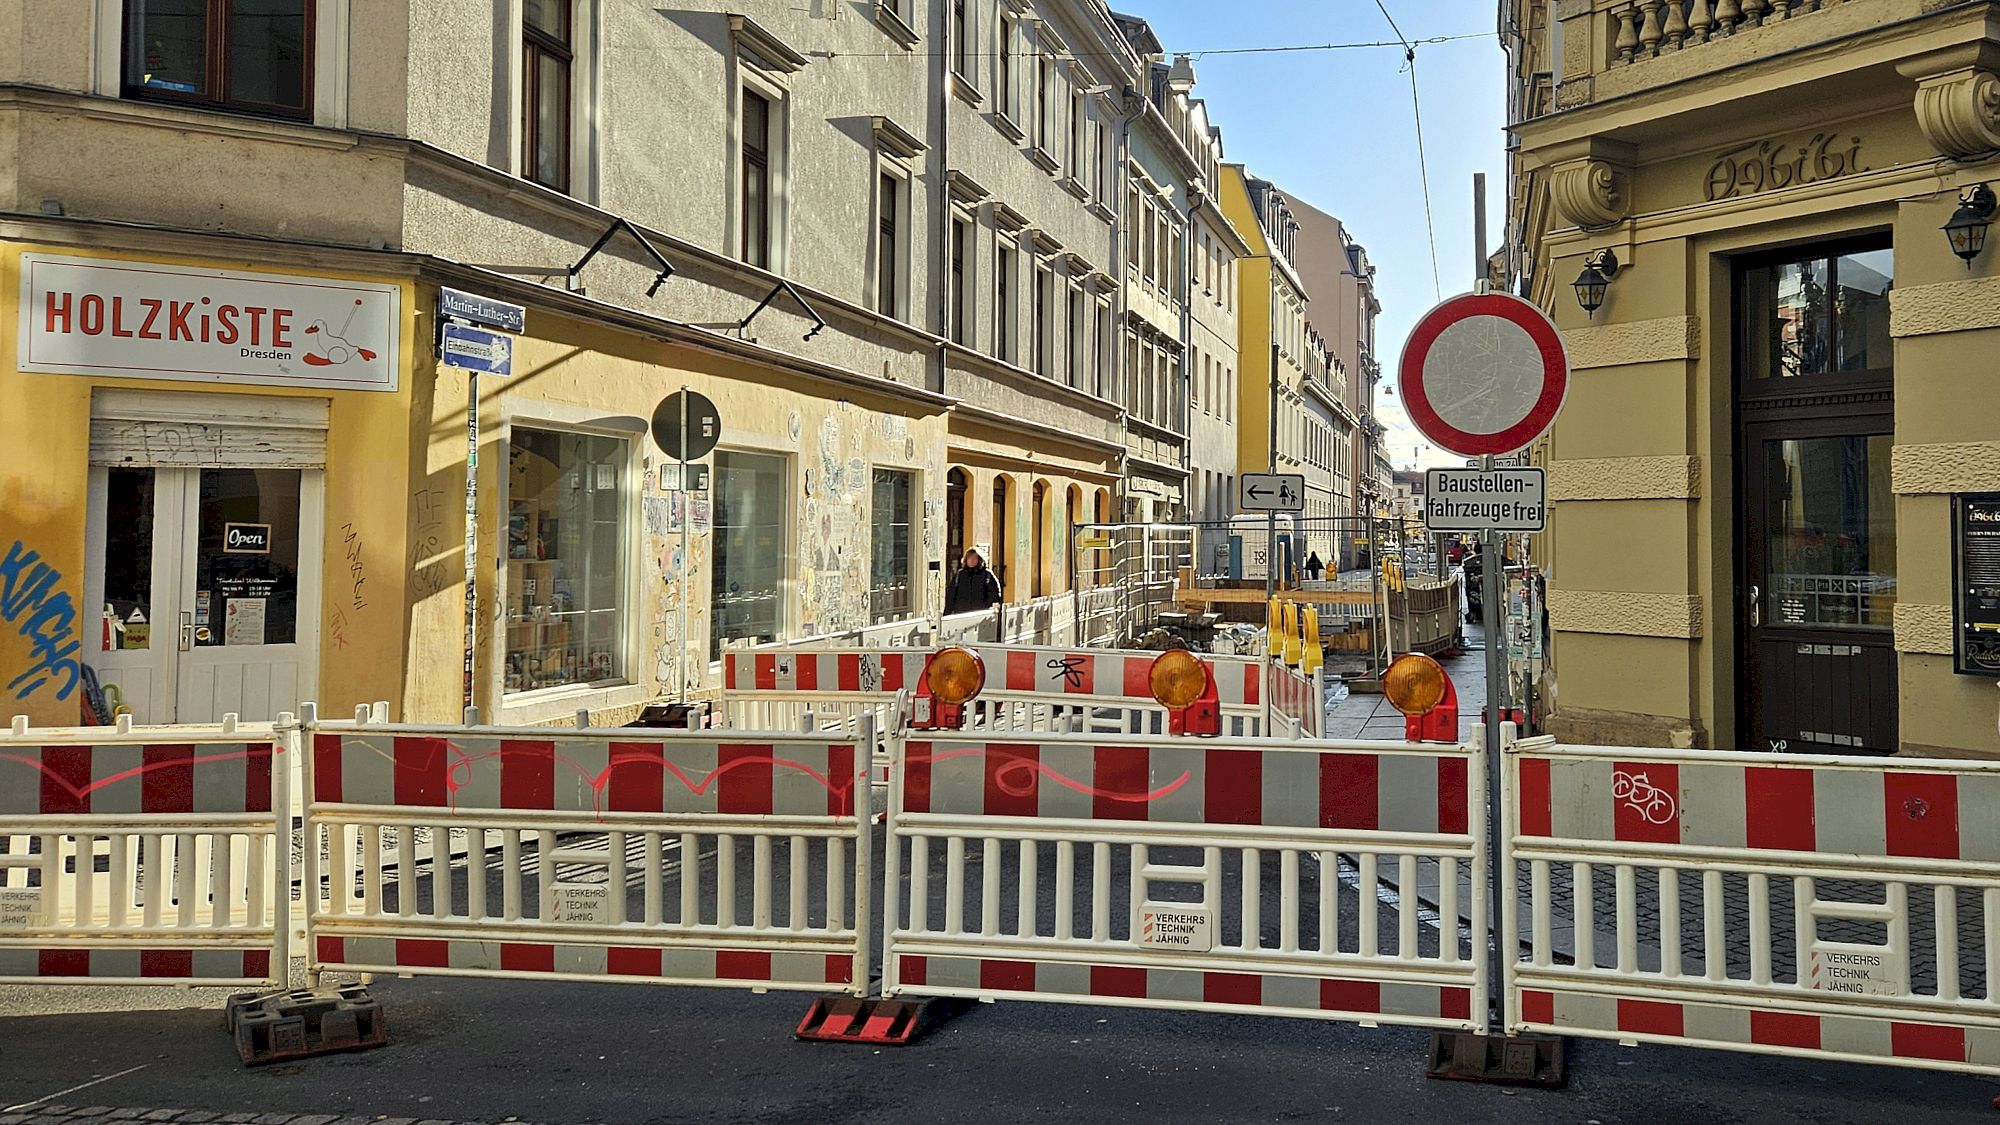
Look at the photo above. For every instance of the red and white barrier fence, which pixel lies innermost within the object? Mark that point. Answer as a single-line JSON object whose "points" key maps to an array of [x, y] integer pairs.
{"points": [[666, 857], [144, 855], [1784, 905], [1300, 698], [1138, 872]]}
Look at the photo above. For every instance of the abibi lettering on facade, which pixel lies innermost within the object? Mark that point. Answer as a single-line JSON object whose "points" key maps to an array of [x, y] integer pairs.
{"points": [[102, 316]]}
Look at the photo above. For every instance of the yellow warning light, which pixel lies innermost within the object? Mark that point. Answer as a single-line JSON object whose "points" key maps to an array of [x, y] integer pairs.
{"points": [[1414, 684], [955, 674], [1178, 678]]}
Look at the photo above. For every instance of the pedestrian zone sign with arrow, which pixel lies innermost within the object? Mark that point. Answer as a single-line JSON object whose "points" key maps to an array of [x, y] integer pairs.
{"points": [[1271, 492]]}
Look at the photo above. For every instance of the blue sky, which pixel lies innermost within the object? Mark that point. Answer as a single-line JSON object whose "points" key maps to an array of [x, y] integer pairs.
{"points": [[1335, 128]]}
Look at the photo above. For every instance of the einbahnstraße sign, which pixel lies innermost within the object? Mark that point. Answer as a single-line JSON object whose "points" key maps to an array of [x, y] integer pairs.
{"points": [[1471, 500]]}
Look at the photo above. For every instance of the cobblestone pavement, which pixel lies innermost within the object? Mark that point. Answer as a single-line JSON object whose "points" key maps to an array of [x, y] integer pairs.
{"points": [[82, 1115]]}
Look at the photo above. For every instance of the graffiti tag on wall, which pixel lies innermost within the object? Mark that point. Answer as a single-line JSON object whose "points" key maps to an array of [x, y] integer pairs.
{"points": [[46, 616]]}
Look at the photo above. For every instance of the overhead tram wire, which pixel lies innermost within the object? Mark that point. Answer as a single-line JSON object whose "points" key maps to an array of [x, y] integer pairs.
{"points": [[1198, 54], [1423, 165]]}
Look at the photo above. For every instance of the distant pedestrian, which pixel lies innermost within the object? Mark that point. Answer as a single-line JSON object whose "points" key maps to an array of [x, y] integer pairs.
{"points": [[1314, 567], [973, 588]]}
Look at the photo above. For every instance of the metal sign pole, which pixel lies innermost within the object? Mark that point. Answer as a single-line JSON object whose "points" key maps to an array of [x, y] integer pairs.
{"points": [[471, 532], [687, 517]]}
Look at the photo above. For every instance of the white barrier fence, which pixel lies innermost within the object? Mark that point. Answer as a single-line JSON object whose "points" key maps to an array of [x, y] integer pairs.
{"points": [[664, 857], [1137, 871], [1802, 906], [143, 855]]}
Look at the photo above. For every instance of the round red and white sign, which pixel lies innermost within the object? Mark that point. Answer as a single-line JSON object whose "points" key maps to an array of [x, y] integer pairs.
{"points": [[1483, 373]]}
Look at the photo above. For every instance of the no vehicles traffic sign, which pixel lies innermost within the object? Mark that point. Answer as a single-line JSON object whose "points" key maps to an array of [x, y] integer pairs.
{"points": [[1483, 373]]}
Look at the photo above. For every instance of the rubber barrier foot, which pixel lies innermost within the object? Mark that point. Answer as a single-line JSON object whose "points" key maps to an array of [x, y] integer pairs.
{"points": [[296, 1023], [1509, 1060], [893, 1023]]}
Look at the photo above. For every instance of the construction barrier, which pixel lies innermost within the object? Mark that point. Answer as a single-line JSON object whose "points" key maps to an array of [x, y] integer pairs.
{"points": [[1838, 907], [1137, 872], [143, 855], [666, 857], [1299, 697]]}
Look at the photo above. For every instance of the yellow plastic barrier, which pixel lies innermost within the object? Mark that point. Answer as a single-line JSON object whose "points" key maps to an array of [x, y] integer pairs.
{"points": [[1274, 628], [1315, 653], [1290, 627]]}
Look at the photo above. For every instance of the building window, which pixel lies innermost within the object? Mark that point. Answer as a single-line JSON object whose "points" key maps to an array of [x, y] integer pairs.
{"points": [[1003, 304], [961, 40], [566, 534], [1003, 67], [1101, 147], [1828, 315], [545, 69], [756, 201], [1040, 533], [1045, 280], [1078, 119], [888, 250], [1074, 326], [1045, 105], [890, 580], [1106, 350], [961, 293], [746, 588], [227, 53]]}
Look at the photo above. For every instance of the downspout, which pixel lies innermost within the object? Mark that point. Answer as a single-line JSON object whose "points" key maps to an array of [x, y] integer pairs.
{"points": [[1196, 194], [1118, 319], [942, 232]]}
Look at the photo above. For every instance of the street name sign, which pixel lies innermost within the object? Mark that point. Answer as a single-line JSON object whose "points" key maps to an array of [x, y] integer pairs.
{"points": [[1483, 373], [1271, 492], [474, 309], [1471, 500]]}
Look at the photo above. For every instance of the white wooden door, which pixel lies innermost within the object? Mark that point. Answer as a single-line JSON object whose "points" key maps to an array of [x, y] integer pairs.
{"points": [[132, 586]]}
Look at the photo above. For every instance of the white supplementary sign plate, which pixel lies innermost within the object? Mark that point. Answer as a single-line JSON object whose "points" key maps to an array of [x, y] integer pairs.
{"points": [[20, 908], [1176, 925], [1271, 492], [1857, 971], [579, 904], [1471, 500]]}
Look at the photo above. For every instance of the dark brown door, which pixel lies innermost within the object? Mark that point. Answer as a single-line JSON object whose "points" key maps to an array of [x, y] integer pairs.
{"points": [[1817, 559]]}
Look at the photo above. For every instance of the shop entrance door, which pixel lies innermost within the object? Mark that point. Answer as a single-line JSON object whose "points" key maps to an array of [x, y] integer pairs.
{"points": [[204, 580]]}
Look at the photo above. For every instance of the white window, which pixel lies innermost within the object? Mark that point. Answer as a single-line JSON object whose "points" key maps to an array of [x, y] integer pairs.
{"points": [[1078, 121], [964, 61], [962, 305], [892, 250], [1044, 322], [1045, 105], [891, 575], [567, 532], [760, 174], [1006, 279], [1004, 78], [1074, 330], [747, 587]]}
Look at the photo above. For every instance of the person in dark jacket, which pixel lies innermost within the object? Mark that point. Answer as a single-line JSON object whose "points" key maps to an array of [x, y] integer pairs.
{"points": [[973, 588]]}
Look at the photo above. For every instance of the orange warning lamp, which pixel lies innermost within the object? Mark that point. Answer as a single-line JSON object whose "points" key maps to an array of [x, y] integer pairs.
{"points": [[1181, 681], [1417, 686], [952, 678]]}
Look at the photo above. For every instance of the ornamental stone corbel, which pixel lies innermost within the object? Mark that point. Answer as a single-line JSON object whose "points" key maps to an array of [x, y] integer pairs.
{"points": [[1591, 184], [1958, 98]]}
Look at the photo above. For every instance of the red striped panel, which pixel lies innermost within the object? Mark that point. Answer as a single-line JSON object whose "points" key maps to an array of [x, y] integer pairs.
{"points": [[166, 962], [729, 671], [1349, 789], [528, 957], [636, 777], [1233, 787], [1649, 1017], [1232, 988], [1927, 1041], [1012, 781], [420, 772], [1007, 976], [1138, 677], [1778, 814], [1454, 795], [628, 961], [326, 768], [257, 964], [892, 670], [1784, 1029], [1538, 1007], [167, 786], [1251, 672], [1084, 680], [805, 673], [423, 953], [1455, 1003], [1535, 812], [527, 774], [257, 778], [63, 963], [1119, 771], [1350, 996], [1921, 810], [744, 787], [839, 969], [916, 765], [65, 779], [914, 970], [1117, 980], [330, 950], [742, 964], [764, 671], [841, 778], [1020, 672], [847, 671], [1647, 820]]}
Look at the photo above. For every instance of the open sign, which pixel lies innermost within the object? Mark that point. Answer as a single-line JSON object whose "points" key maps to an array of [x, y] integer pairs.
{"points": [[246, 538]]}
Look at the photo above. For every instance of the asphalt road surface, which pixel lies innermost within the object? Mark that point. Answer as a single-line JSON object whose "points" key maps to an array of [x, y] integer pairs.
{"points": [[494, 1051]]}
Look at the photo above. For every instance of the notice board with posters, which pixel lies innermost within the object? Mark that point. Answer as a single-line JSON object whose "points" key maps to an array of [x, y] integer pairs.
{"points": [[1975, 571]]}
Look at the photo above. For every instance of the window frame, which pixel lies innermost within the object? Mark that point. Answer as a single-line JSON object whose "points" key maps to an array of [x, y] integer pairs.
{"points": [[216, 65], [1006, 296], [777, 167], [912, 513], [890, 280], [787, 586], [535, 44], [961, 264]]}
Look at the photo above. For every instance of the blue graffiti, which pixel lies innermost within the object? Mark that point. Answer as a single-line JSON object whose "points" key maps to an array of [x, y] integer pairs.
{"points": [[44, 615]]}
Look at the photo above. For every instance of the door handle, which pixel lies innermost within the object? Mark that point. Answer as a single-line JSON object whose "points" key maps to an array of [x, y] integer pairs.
{"points": [[1756, 607], [187, 631]]}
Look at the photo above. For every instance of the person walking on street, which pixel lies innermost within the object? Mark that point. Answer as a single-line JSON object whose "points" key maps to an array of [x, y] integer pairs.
{"points": [[973, 588]]}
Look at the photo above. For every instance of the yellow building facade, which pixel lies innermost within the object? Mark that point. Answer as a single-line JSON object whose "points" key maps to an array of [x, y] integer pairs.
{"points": [[1779, 410]]}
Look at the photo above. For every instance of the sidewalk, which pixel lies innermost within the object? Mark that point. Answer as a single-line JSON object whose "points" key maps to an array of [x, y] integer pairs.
{"points": [[1369, 715]]}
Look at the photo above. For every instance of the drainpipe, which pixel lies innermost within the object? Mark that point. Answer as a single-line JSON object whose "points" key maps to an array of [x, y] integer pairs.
{"points": [[1196, 195], [942, 231], [1124, 182]]}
